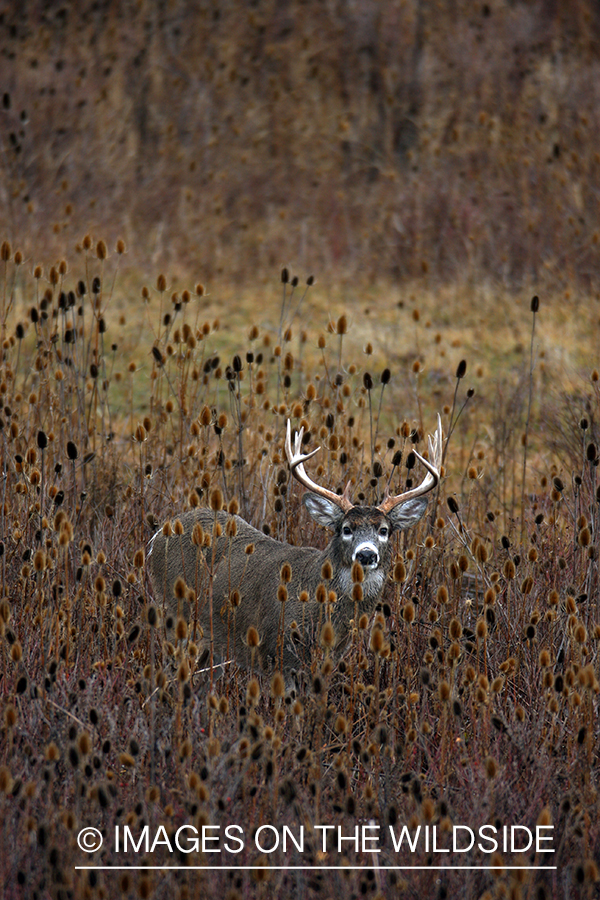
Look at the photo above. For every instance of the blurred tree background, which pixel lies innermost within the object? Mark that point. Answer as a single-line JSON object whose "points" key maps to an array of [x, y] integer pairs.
{"points": [[452, 141]]}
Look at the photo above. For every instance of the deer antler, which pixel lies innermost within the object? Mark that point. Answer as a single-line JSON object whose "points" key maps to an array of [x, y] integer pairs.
{"points": [[433, 466], [297, 459]]}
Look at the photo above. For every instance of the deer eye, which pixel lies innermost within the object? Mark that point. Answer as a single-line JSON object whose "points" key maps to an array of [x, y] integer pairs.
{"points": [[347, 531], [384, 531]]}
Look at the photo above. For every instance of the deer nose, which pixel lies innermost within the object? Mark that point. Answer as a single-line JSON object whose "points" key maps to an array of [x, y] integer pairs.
{"points": [[366, 555]]}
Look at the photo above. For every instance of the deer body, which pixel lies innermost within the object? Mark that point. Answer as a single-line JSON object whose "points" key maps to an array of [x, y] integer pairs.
{"points": [[245, 589]]}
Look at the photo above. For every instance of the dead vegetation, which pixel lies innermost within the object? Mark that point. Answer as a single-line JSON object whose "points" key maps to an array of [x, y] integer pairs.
{"points": [[384, 142], [469, 697]]}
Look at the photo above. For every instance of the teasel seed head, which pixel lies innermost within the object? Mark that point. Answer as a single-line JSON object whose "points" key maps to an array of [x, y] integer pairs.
{"points": [[357, 593], [491, 768], [341, 724], [252, 638], [327, 638], [455, 629], [442, 595], [357, 573], [216, 500], [509, 571], [377, 640], [399, 574], [327, 571], [181, 630], [253, 692], [461, 369], [408, 613], [277, 685], [584, 537]]}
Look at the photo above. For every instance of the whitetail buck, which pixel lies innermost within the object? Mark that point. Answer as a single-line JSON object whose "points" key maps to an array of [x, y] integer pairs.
{"points": [[237, 589]]}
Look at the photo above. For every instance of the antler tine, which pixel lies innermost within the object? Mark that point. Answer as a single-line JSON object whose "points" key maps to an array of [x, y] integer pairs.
{"points": [[431, 480], [297, 459]]}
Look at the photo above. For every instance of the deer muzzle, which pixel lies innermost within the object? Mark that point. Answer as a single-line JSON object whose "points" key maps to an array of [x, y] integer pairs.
{"points": [[367, 555]]}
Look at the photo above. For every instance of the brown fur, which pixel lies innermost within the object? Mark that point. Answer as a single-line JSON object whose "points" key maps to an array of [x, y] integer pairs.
{"points": [[226, 567]]}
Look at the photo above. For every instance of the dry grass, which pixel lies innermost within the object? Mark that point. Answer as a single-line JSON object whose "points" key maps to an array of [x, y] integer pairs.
{"points": [[434, 165], [469, 697]]}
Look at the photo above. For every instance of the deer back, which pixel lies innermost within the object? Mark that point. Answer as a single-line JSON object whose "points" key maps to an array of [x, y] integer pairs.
{"points": [[242, 570]]}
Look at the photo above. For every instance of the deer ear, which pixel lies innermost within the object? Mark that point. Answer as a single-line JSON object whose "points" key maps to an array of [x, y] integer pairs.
{"points": [[323, 510], [408, 514]]}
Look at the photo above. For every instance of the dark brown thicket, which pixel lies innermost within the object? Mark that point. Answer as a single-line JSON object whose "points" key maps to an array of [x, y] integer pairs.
{"points": [[383, 140]]}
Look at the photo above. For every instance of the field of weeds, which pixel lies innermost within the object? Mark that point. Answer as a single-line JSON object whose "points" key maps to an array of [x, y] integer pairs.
{"points": [[468, 697]]}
